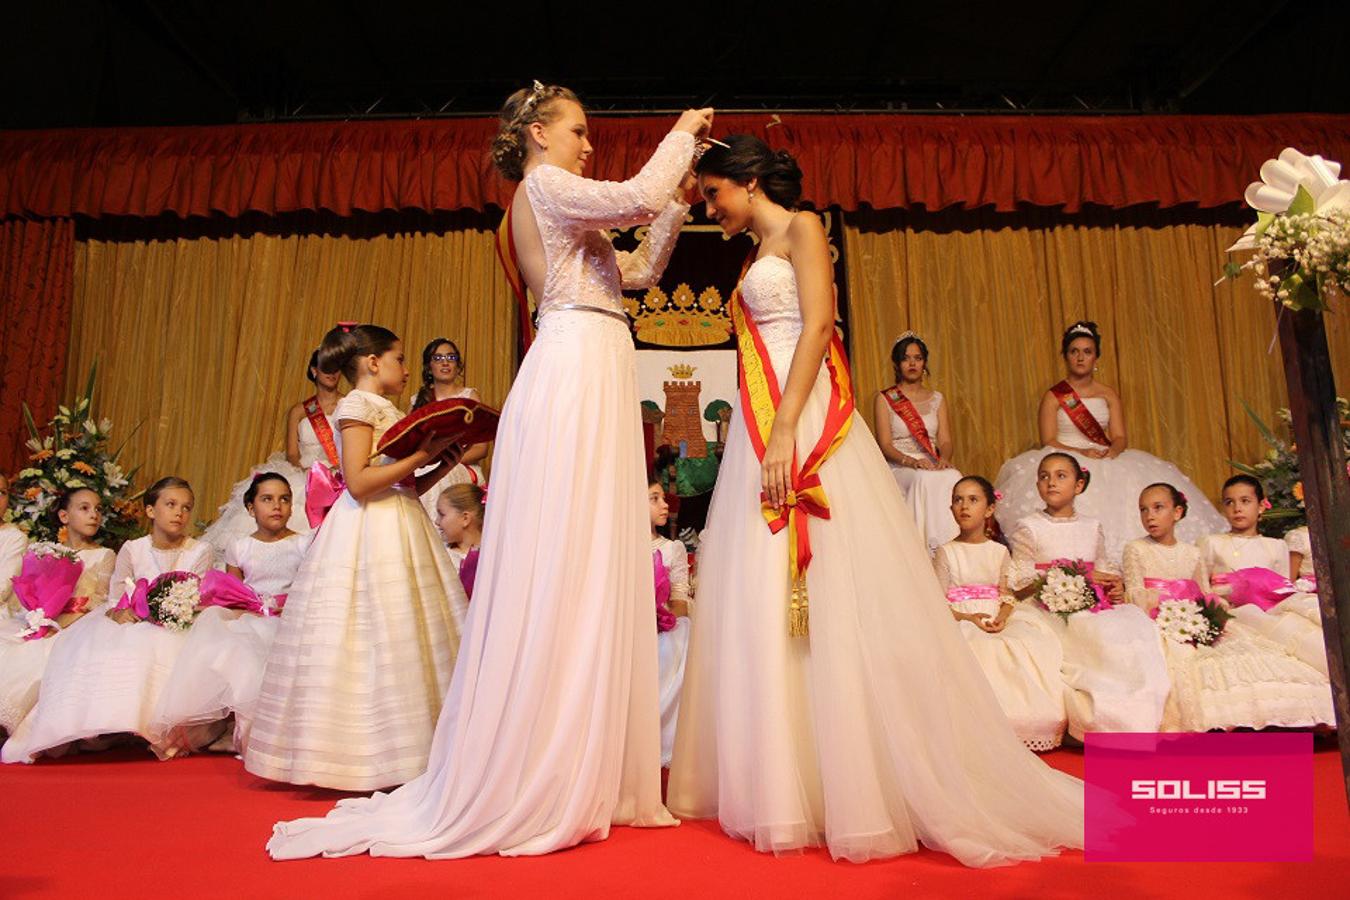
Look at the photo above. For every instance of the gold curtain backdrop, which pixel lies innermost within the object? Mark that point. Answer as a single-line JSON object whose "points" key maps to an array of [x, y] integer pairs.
{"points": [[992, 293], [202, 331]]}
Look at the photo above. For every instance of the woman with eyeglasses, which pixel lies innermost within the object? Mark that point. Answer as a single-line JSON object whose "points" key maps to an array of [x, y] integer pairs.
{"points": [[443, 379]]}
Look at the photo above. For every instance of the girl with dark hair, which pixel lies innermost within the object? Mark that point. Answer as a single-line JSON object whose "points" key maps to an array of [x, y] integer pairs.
{"points": [[363, 653], [1084, 418], [443, 379], [559, 664], [915, 436], [823, 651]]}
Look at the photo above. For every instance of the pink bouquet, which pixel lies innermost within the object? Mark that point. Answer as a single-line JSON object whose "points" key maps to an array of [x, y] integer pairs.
{"points": [[44, 586], [222, 589]]}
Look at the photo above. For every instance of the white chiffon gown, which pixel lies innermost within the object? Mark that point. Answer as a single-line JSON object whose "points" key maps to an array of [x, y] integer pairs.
{"points": [[927, 491], [550, 731], [876, 732], [1112, 496]]}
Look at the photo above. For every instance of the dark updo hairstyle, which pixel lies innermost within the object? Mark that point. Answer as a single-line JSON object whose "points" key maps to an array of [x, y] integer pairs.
{"points": [[1251, 481], [1178, 498], [261, 478], [521, 110], [312, 367], [746, 157], [164, 484], [1081, 328], [1079, 473], [427, 392], [345, 344], [901, 347]]}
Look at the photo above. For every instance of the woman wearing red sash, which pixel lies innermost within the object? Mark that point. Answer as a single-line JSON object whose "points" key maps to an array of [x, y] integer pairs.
{"points": [[916, 439], [829, 697], [1084, 417], [310, 436]]}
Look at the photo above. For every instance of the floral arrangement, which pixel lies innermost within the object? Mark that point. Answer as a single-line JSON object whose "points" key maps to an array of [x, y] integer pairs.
{"points": [[1279, 473], [1301, 237], [1192, 622], [73, 452], [1065, 588], [174, 600]]}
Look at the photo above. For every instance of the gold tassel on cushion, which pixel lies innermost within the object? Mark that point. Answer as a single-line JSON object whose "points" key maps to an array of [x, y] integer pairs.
{"points": [[799, 609]]}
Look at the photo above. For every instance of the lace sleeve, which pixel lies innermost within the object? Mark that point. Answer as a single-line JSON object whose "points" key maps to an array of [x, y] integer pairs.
{"points": [[198, 560], [1022, 567], [124, 569], [355, 408], [1004, 576], [642, 267], [943, 569], [614, 204], [1102, 563], [679, 576], [1133, 564], [94, 581], [1299, 541]]}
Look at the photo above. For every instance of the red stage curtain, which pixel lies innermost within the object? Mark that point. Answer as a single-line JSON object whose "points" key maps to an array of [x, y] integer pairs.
{"points": [[882, 161], [36, 265]]}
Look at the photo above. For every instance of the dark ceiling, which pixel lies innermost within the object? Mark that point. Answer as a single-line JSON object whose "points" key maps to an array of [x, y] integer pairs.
{"points": [[179, 62]]}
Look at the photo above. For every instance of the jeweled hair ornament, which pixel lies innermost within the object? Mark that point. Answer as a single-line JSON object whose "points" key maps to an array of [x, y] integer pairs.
{"points": [[904, 335], [1081, 329]]}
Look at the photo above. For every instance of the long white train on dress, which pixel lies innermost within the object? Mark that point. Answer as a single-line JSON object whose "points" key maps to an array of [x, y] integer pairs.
{"points": [[550, 731], [879, 730]]}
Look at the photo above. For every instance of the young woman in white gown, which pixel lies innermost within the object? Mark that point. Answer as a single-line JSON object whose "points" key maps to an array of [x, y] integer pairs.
{"points": [[311, 435], [550, 732], [915, 436], [1084, 417], [877, 731], [443, 379]]}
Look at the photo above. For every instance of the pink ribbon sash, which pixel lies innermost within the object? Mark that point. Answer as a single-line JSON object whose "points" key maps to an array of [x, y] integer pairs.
{"points": [[1255, 586], [137, 599], [222, 589], [323, 486], [665, 619], [959, 592]]}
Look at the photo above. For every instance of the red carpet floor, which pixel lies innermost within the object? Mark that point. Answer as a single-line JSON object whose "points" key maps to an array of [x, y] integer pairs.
{"points": [[119, 824]]}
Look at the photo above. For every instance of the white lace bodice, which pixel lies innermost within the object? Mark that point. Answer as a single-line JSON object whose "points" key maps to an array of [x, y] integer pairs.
{"points": [[268, 566], [1223, 553], [770, 292], [959, 564], [310, 449], [372, 409], [676, 558], [142, 559], [901, 437], [573, 212], [1298, 541], [1068, 434], [1042, 538], [1146, 558]]}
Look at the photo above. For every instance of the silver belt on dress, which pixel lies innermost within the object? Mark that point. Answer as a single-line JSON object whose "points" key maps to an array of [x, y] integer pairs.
{"points": [[586, 307]]}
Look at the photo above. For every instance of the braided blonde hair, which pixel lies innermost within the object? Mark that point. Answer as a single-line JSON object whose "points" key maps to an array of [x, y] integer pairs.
{"points": [[522, 109]]}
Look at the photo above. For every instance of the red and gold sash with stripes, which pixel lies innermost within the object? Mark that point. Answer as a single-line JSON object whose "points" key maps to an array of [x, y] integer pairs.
{"points": [[909, 414], [323, 430], [1078, 413]]}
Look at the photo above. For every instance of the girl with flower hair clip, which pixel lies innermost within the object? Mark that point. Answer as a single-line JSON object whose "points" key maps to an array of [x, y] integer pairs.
{"points": [[1224, 674], [1113, 659]]}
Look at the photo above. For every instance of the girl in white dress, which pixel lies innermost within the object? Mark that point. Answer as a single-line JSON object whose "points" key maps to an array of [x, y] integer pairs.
{"points": [[672, 616], [915, 437], [1113, 656], [363, 653], [106, 674], [23, 659], [443, 379], [551, 733], [1083, 417], [13, 542], [459, 517], [1300, 555], [311, 436], [876, 729], [219, 671], [1242, 679], [1252, 573], [1015, 643]]}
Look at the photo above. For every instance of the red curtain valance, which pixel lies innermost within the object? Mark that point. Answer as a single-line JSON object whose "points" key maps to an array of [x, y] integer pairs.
{"points": [[881, 161]]}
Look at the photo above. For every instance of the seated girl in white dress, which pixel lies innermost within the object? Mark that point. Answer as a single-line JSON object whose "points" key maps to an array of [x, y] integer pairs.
{"points": [[363, 653], [106, 674], [1113, 657], [1015, 643], [24, 649], [1252, 573], [311, 436], [915, 437], [460, 509], [219, 671], [1084, 417], [13, 542], [1242, 679], [443, 379], [670, 565], [1299, 543]]}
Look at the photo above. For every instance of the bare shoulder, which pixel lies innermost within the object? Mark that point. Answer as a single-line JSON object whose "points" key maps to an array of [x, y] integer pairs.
{"points": [[805, 225]]}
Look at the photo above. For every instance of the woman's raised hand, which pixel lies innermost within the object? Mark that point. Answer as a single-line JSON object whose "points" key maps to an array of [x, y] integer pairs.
{"points": [[697, 122]]}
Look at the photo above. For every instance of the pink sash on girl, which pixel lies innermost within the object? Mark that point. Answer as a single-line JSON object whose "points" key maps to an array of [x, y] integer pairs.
{"points": [[227, 591], [959, 592], [1175, 589], [665, 619], [1255, 586]]}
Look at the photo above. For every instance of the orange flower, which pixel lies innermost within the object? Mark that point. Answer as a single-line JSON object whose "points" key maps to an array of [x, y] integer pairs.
{"points": [[82, 466], [1298, 491], [63, 534], [32, 493], [42, 456]]}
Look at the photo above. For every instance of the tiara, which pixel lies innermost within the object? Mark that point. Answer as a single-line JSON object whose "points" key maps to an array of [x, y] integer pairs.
{"points": [[907, 334], [536, 91], [1081, 329]]}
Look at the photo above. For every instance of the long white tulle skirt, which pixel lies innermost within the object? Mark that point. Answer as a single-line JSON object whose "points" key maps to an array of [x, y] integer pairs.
{"points": [[22, 663], [672, 648]]}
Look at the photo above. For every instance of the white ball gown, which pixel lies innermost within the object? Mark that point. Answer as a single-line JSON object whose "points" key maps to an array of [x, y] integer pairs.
{"points": [[928, 492], [672, 646], [363, 652], [457, 475], [1112, 496], [1023, 661], [879, 730], [22, 662], [219, 671], [233, 520], [1242, 679], [104, 678], [550, 731]]}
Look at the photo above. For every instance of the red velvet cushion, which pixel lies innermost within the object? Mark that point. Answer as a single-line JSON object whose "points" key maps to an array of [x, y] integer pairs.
{"points": [[465, 421]]}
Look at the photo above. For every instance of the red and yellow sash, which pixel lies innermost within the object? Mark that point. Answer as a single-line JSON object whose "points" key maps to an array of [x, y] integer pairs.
{"points": [[506, 254], [909, 414], [760, 396], [323, 430], [1079, 415]]}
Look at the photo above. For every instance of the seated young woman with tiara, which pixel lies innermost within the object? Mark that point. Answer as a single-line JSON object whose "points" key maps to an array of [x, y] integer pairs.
{"points": [[1084, 418]]}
